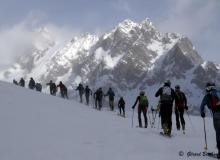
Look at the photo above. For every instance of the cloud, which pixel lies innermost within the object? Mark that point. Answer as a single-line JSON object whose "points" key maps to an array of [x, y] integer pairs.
{"points": [[14, 41], [20, 38], [189, 17], [122, 5], [197, 20]]}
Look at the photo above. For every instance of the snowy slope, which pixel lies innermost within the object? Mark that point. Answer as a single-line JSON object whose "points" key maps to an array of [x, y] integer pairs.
{"points": [[36, 126]]}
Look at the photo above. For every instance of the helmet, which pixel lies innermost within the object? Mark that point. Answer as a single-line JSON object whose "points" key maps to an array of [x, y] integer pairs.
{"points": [[167, 82], [210, 86], [177, 87], [142, 92]]}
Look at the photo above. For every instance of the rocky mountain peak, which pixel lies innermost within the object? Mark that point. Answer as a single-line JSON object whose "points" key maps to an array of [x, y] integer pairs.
{"points": [[126, 26], [147, 24]]}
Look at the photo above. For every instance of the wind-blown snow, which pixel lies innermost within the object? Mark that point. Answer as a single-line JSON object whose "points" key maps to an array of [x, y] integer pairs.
{"points": [[110, 61], [38, 126], [156, 47]]}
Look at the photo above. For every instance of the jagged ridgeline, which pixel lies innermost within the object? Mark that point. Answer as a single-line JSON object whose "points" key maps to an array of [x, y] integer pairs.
{"points": [[131, 57]]}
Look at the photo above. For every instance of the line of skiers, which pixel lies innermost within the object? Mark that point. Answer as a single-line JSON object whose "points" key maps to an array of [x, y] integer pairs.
{"points": [[166, 95], [53, 87], [165, 107], [31, 85], [98, 97]]}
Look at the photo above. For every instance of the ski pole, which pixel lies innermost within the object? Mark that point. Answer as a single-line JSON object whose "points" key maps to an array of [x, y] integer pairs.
{"points": [[206, 146], [158, 123], [152, 111], [149, 119], [159, 120], [132, 119]]}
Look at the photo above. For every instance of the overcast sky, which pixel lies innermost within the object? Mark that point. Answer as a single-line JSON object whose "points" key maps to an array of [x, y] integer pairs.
{"points": [[197, 19]]}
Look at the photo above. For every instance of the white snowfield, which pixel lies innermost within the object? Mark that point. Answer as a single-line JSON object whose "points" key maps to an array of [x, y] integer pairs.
{"points": [[36, 126]]}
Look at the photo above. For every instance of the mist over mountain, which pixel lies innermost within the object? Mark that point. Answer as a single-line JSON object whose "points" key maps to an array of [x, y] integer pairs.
{"points": [[131, 57]]}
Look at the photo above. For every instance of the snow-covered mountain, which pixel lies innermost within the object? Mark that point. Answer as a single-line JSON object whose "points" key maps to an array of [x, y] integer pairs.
{"points": [[131, 57]]}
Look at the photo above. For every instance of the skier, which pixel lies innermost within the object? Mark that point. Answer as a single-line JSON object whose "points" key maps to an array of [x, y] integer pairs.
{"points": [[22, 82], [98, 95], [80, 88], [180, 105], [63, 90], [38, 87], [212, 100], [31, 84], [142, 108], [167, 96], [88, 92], [121, 106], [111, 96], [15, 82], [53, 87]]}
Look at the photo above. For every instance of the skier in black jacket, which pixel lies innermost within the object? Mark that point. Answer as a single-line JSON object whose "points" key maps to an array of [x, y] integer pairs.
{"points": [[53, 87], [98, 95], [167, 96], [63, 90], [31, 84], [88, 92], [180, 105], [121, 106], [22, 82], [80, 88]]}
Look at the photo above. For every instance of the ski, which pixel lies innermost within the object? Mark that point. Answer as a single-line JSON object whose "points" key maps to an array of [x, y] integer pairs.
{"points": [[165, 135], [121, 116], [141, 127]]}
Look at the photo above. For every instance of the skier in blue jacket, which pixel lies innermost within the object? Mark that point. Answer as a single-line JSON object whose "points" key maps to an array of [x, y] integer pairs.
{"points": [[111, 96], [212, 100]]}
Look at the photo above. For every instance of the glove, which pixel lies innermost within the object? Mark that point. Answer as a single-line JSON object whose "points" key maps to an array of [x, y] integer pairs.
{"points": [[133, 107], [203, 115], [186, 108]]}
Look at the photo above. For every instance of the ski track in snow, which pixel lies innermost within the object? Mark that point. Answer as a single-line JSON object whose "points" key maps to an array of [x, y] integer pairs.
{"points": [[36, 126]]}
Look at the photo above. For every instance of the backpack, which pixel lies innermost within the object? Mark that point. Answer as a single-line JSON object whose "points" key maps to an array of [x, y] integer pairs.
{"points": [[87, 91], [143, 101], [38, 87], [121, 102], [215, 101], [166, 94], [180, 101], [99, 94], [111, 94]]}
